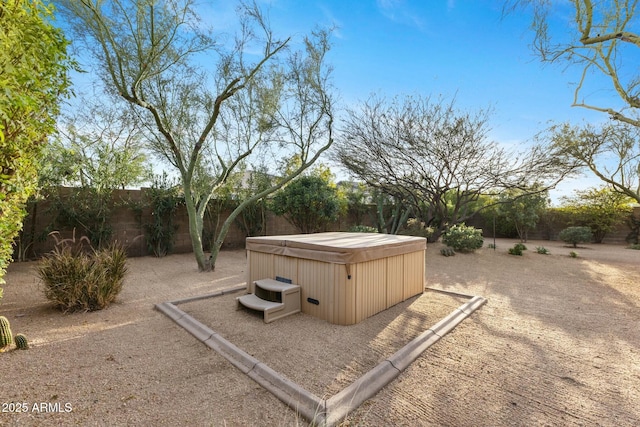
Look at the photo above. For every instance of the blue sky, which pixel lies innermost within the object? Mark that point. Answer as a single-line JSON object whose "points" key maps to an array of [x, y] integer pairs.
{"points": [[466, 49]]}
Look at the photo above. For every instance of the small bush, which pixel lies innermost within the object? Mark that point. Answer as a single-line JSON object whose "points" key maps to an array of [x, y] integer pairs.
{"points": [[447, 252], [575, 235], [363, 229], [76, 280], [417, 228], [542, 250], [573, 254], [492, 246], [463, 238], [520, 246], [635, 246], [516, 250]]}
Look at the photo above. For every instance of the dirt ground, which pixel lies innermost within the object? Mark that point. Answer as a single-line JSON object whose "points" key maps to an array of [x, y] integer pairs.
{"points": [[558, 343]]}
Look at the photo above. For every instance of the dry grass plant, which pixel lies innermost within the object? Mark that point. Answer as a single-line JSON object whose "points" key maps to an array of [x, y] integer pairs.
{"points": [[78, 277]]}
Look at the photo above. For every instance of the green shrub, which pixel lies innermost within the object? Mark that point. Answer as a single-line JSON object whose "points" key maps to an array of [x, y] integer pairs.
{"points": [[542, 250], [363, 229], [635, 246], [520, 246], [417, 228], [447, 252], [573, 254], [77, 280], [575, 235], [310, 203], [463, 238], [516, 250], [492, 246]]}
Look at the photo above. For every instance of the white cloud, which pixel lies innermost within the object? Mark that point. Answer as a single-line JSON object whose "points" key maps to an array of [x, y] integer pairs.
{"points": [[398, 11]]}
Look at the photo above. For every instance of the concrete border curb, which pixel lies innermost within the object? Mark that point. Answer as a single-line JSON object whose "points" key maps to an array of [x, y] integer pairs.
{"points": [[324, 412], [238, 358], [362, 389], [404, 357], [211, 295], [297, 398]]}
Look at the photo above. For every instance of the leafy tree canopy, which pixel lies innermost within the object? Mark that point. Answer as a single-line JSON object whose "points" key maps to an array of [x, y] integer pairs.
{"points": [[522, 208], [600, 209], [310, 202], [34, 67], [99, 146]]}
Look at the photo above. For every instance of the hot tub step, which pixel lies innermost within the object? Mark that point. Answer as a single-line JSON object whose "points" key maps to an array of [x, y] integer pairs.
{"points": [[255, 303], [275, 299]]}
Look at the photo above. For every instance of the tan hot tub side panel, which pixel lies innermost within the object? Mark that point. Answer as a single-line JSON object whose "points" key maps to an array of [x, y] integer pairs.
{"points": [[344, 298], [371, 288], [375, 284], [316, 275], [286, 267], [261, 266], [395, 273], [413, 274]]}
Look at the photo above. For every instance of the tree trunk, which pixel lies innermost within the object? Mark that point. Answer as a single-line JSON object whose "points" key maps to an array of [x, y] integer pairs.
{"points": [[195, 232], [226, 225]]}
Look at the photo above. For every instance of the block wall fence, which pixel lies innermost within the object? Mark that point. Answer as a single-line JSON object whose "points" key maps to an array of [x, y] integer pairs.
{"points": [[548, 228], [127, 227]]}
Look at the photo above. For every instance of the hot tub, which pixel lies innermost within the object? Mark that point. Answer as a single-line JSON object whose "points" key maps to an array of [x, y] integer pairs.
{"points": [[344, 277]]}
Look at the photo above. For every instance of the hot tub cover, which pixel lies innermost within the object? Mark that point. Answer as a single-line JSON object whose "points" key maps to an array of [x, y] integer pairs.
{"points": [[337, 247]]}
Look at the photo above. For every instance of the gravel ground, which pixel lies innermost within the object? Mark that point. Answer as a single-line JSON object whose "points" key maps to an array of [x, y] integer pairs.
{"points": [[558, 343]]}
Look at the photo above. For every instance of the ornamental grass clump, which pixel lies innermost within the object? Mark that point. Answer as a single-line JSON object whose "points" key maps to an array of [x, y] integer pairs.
{"points": [[463, 238], [76, 279]]}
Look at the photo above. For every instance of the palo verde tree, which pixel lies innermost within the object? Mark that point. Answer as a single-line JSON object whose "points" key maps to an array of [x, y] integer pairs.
{"points": [[206, 101], [602, 40], [435, 158], [34, 69], [611, 152]]}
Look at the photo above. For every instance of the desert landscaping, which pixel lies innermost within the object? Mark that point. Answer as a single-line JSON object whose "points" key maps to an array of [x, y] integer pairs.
{"points": [[557, 343]]}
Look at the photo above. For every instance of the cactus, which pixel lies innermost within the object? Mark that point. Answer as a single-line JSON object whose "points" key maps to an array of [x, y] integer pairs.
{"points": [[6, 338], [21, 342]]}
